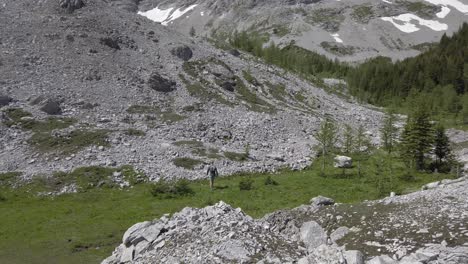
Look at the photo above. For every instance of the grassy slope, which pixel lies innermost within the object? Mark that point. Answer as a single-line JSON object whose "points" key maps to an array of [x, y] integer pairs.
{"points": [[85, 227]]}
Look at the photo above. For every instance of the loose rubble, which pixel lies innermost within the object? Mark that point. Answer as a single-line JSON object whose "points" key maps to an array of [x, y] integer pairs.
{"points": [[223, 234]]}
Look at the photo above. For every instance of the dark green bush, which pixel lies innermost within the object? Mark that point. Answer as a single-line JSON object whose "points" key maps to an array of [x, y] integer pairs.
{"points": [[135, 132], [270, 181], [171, 189], [2, 198], [246, 184], [186, 163]]}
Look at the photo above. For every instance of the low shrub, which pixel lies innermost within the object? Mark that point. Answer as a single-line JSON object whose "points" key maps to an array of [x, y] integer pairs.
{"points": [[240, 157], [135, 132], [171, 189], [270, 181], [186, 163], [246, 184]]}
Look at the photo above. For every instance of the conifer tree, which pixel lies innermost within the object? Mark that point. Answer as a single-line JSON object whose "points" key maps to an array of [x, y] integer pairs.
{"points": [[327, 137], [192, 32], [441, 145], [362, 144], [389, 132], [417, 138], [348, 139]]}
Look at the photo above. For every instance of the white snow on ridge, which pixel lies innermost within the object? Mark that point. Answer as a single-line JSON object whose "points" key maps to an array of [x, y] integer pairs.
{"points": [[166, 16], [406, 27], [444, 12], [156, 14], [409, 27], [337, 38], [453, 3], [388, 2], [178, 13]]}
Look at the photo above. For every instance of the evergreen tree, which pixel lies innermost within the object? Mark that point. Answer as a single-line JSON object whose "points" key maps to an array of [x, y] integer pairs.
{"points": [[192, 32], [348, 139], [362, 145], [389, 132], [417, 138], [441, 145], [327, 137], [464, 111]]}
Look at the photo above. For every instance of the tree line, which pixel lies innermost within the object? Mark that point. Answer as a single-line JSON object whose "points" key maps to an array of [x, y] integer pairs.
{"points": [[421, 144], [438, 76], [290, 57]]}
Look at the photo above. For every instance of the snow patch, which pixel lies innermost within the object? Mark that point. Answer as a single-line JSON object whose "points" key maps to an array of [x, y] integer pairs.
{"points": [[453, 3], [336, 36], [178, 13], [166, 16], [156, 14], [444, 12], [388, 2], [405, 23]]}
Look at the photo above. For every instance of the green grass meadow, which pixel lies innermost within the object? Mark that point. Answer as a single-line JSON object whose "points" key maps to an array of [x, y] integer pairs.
{"points": [[85, 227]]}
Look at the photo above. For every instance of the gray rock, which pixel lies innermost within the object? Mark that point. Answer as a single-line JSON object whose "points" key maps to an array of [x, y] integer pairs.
{"points": [[339, 233], [51, 107], [343, 162], [322, 201], [183, 52], [135, 233], [354, 257], [161, 84], [128, 254], [431, 185], [384, 259], [5, 100], [71, 5], [312, 234], [276, 156]]}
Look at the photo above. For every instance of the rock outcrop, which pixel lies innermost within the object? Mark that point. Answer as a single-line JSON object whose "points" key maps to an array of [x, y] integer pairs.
{"points": [[71, 5], [223, 234]]}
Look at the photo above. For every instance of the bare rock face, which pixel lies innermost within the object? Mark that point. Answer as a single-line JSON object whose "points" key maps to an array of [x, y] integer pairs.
{"points": [[72, 5]]}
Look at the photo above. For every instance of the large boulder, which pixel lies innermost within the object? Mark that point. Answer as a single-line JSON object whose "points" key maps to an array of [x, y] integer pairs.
{"points": [[110, 42], [322, 201], [343, 162], [5, 100], [161, 84], [312, 234], [354, 257], [431, 185], [51, 107], [384, 259], [71, 5], [183, 52]]}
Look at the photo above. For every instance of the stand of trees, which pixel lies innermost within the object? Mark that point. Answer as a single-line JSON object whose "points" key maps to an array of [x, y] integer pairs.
{"points": [[290, 57], [422, 145], [439, 75]]}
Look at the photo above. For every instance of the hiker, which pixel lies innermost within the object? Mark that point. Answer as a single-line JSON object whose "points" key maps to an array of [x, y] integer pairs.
{"points": [[213, 173]]}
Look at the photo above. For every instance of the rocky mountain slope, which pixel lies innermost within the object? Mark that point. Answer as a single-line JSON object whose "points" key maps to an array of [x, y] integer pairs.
{"points": [[428, 227], [103, 86], [349, 30]]}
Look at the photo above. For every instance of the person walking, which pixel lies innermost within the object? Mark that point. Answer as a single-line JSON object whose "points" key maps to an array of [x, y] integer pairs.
{"points": [[213, 173]]}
